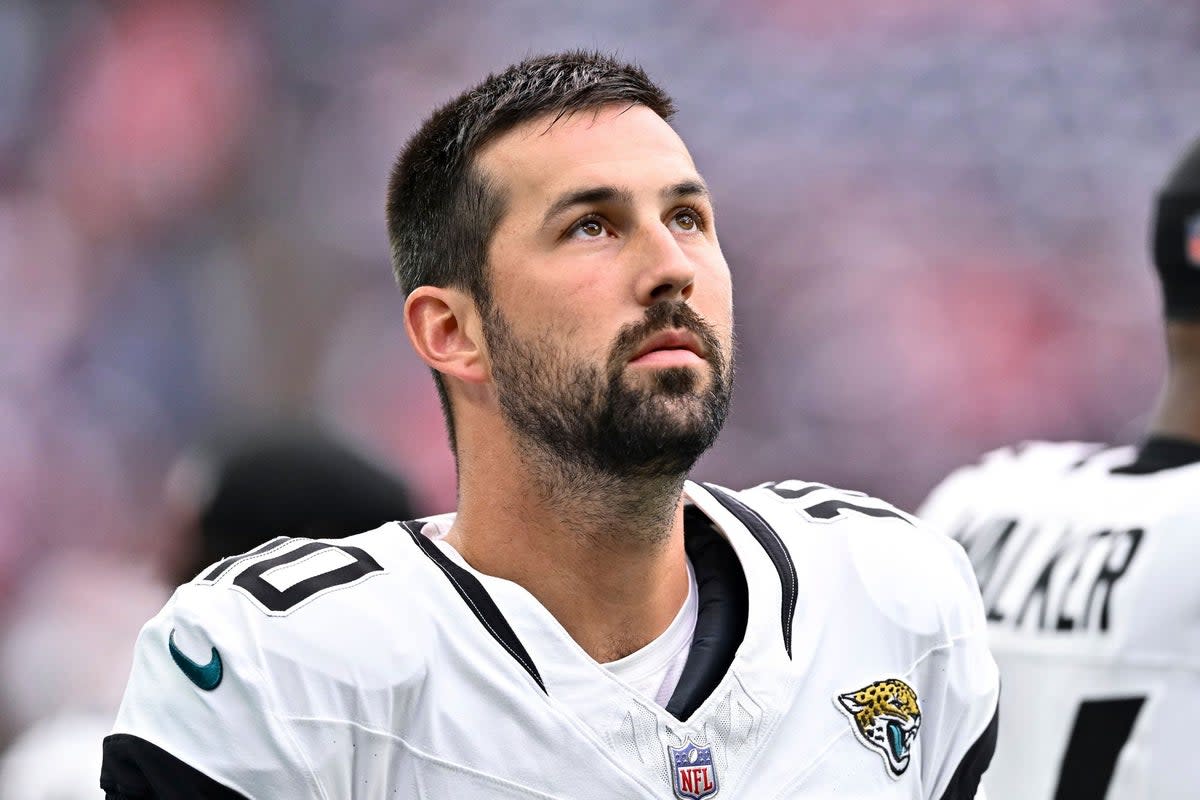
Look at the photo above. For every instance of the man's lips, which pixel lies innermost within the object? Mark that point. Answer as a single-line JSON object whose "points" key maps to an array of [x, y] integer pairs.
{"points": [[670, 348]]}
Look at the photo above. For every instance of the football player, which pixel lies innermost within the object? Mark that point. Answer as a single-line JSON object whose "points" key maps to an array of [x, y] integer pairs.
{"points": [[589, 624], [1086, 556]]}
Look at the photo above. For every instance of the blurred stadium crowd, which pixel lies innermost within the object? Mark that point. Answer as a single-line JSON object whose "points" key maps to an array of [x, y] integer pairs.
{"points": [[935, 214]]}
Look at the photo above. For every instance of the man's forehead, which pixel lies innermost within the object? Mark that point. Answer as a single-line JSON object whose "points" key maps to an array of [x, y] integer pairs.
{"points": [[576, 122], [586, 146]]}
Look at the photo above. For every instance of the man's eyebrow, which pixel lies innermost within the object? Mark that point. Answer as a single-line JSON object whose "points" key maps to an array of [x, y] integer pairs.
{"points": [[589, 196], [691, 188]]}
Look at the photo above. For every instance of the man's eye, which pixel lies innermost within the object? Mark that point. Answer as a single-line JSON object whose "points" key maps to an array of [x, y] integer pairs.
{"points": [[687, 220], [588, 228]]}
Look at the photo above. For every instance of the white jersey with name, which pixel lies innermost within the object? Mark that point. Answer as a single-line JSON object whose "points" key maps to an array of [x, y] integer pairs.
{"points": [[839, 651], [1087, 557]]}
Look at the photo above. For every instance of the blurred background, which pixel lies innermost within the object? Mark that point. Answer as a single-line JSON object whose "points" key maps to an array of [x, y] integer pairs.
{"points": [[936, 217]]}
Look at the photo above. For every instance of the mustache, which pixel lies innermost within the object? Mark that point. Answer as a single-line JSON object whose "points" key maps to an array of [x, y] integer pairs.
{"points": [[660, 317]]}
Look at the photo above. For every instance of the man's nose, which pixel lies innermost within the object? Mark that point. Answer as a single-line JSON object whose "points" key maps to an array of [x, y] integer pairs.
{"points": [[666, 273]]}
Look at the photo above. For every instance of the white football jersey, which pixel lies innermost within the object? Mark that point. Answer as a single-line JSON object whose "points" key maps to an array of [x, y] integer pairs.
{"points": [[839, 651], [1087, 558]]}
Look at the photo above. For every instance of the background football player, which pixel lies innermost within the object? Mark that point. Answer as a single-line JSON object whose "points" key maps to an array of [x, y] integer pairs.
{"points": [[1086, 556]]}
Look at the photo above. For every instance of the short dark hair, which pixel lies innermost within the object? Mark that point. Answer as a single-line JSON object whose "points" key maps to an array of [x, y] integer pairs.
{"points": [[1173, 237], [442, 211]]}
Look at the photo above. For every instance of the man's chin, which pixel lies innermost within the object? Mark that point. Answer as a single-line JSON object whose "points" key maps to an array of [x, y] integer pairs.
{"points": [[669, 382], [664, 443], [675, 418]]}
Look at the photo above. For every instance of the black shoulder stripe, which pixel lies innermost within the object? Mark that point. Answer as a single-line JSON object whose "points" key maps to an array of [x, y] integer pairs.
{"points": [[776, 550], [134, 769], [479, 601], [965, 781]]}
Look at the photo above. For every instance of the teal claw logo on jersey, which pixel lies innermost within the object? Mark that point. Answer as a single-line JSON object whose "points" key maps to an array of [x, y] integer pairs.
{"points": [[206, 676], [886, 719]]}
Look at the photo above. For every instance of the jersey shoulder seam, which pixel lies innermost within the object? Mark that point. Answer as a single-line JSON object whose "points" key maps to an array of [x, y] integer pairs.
{"points": [[279, 714]]}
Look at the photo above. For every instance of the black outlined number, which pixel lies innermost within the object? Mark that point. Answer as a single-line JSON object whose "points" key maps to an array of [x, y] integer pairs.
{"points": [[830, 510], [251, 579], [225, 564]]}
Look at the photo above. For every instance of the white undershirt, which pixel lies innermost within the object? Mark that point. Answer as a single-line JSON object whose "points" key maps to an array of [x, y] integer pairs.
{"points": [[655, 669], [652, 671]]}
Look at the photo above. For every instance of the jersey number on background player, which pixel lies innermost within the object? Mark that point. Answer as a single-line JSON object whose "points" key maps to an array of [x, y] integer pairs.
{"points": [[1100, 731]]}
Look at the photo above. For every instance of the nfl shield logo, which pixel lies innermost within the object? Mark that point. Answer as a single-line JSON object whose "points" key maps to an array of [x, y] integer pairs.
{"points": [[1192, 229], [692, 771]]}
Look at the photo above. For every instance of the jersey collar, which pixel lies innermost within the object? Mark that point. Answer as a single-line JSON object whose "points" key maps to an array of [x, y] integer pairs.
{"points": [[1158, 453]]}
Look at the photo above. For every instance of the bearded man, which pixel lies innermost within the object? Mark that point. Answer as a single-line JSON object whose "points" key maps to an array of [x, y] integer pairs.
{"points": [[589, 624]]}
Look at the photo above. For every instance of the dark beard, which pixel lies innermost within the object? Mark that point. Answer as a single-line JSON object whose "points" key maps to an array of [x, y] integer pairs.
{"points": [[581, 416]]}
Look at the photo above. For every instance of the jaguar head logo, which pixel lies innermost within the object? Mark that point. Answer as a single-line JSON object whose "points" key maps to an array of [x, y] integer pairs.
{"points": [[886, 718]]}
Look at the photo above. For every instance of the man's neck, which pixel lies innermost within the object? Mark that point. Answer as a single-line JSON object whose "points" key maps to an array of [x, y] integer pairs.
{"points": [[1178, 412], [605, 556]]}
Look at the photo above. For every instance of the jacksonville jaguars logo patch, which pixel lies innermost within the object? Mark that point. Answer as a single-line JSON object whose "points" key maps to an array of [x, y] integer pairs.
{"points": [[885, 717]]}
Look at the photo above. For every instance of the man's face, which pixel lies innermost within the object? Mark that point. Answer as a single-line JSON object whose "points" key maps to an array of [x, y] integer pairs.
{"points": [[610, 325]]}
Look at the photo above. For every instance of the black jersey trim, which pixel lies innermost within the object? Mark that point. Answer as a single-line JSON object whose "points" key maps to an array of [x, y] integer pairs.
{"points": [[964, 783], [134, 769], [479, 601], [1159, 453], [721, 613], [776, 551]]}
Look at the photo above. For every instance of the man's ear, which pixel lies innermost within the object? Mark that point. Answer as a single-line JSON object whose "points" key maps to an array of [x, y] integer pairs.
{"points": [[443, 326]]}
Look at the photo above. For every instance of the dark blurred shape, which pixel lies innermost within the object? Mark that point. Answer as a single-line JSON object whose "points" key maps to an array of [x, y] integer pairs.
{"points": [[286, 481], [1175, 238]]}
